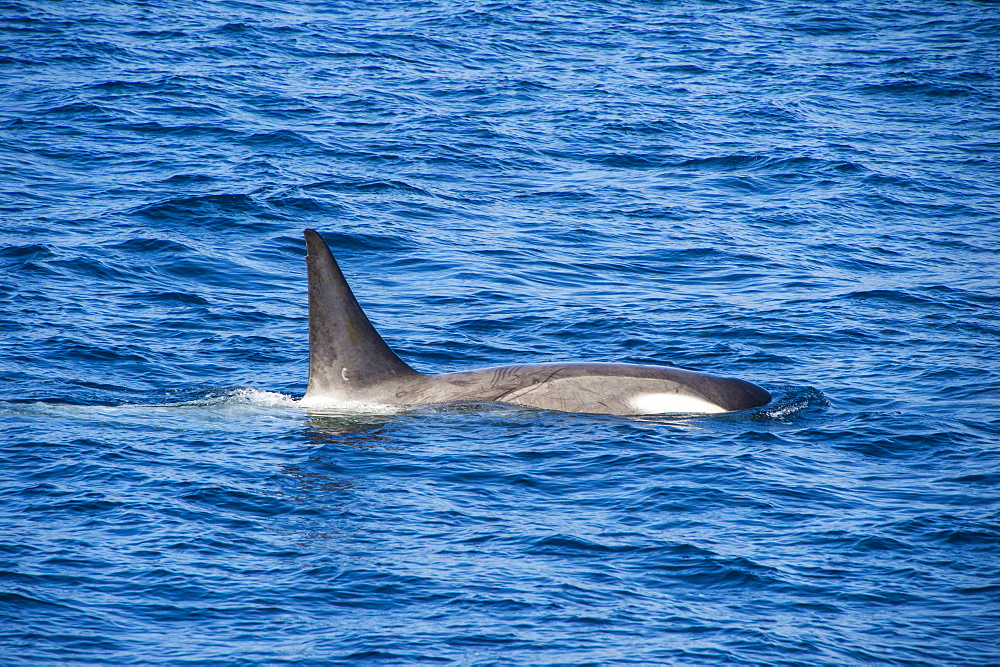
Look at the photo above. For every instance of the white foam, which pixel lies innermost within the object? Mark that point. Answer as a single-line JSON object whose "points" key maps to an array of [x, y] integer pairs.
{"points": [[658, 404], [261, 398], [242, 396], [330, 405]]}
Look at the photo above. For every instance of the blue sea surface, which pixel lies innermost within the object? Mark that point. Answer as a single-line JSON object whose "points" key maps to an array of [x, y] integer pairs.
{"points": [[805, 195]]}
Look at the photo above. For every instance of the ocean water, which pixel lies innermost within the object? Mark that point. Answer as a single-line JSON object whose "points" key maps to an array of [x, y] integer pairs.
{"points": [[805, 195]]}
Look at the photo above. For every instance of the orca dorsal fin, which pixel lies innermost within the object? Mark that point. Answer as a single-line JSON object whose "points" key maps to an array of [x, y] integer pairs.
{"points": [[345, 352]]}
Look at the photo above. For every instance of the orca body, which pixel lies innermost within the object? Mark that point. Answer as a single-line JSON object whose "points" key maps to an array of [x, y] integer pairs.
{"points": [[350, 362]]}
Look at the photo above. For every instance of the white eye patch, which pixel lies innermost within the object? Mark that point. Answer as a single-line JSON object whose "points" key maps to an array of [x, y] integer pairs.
{"points": [[655, 404]]}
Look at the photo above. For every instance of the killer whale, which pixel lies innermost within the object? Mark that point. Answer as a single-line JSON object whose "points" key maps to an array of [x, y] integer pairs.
{"points": [[350, 362]]}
